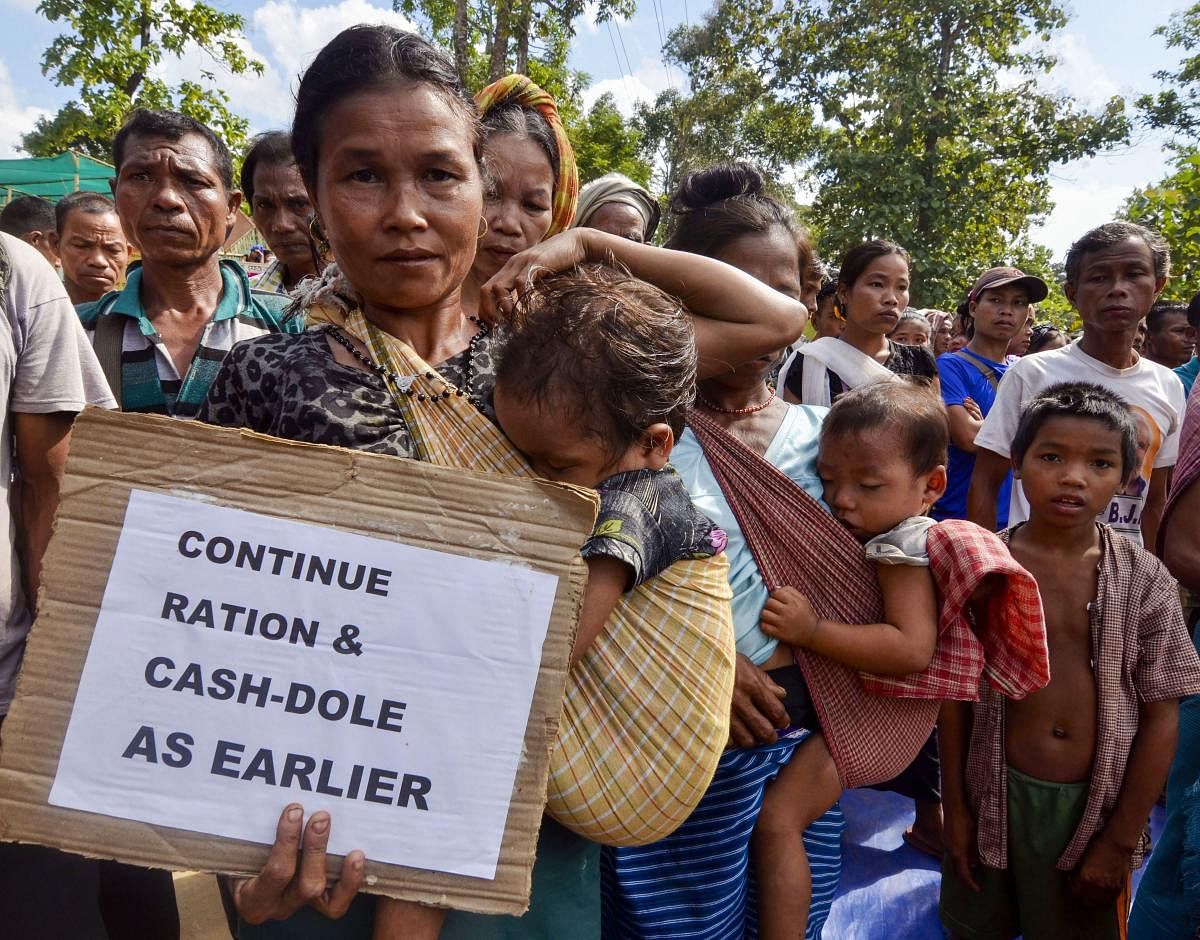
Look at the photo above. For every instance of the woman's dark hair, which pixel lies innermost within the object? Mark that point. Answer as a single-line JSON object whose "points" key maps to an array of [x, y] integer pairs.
{"points": [[527, 123], [909, 415], [270, 148], [715, 205], [614, 352], [363, 58], [1078, 400], [1042, 334], [828, 287], [859, 258]]}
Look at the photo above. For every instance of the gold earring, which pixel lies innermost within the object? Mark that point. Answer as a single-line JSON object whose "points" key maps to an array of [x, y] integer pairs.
{"points": [[484, 230], [318, 235]]}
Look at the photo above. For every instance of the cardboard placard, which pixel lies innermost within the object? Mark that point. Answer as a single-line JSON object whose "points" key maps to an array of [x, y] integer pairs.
{"points": [[474, 552]]}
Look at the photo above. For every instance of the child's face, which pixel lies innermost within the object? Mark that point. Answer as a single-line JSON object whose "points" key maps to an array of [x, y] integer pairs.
{"points": [[558, 448], [1070, 471], [870, 485], [911, 333]]}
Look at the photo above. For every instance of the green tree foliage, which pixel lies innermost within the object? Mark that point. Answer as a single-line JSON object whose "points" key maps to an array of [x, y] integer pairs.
{"points": [[111, 52], [917, 120], [719, 121], [493, 38], [604, 143], [1178, 107], [1172, 208]]}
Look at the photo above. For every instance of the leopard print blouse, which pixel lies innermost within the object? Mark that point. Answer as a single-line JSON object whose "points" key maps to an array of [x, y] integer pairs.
{"points": [[292, 387]]}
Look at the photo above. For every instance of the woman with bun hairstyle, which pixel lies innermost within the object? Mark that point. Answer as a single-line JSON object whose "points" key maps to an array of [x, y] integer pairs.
{"points": [[872, 293], [695, 882]]}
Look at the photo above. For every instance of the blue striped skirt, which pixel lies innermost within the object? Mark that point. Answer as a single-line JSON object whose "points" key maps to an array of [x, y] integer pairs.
{"points": [[698, 883]]}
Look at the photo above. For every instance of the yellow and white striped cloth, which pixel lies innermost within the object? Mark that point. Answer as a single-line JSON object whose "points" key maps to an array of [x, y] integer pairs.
{"points": [[646, 713]]}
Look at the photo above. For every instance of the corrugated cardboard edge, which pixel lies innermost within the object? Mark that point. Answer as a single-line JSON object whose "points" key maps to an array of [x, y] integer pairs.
{"points": [[480, 515]]}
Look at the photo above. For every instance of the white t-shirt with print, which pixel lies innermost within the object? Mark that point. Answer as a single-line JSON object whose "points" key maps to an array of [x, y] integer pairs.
{"points": [[1154, 393]]}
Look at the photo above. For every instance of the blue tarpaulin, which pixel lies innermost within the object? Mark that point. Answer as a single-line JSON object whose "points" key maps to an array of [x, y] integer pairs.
{"points": [[889, 890]]}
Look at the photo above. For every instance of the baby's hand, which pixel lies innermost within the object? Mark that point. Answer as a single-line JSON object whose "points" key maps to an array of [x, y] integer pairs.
{"points": [[788, 616]]}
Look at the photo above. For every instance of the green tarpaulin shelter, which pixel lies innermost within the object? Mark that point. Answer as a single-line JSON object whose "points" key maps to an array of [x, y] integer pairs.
{"points": [[53, 177]]}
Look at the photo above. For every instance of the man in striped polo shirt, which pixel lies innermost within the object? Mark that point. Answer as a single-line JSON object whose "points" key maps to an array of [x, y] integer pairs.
{"points": [[162, 338]]}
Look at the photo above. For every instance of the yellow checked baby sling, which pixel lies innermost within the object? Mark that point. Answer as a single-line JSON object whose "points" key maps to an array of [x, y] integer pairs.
{"points": [[646, 712]]}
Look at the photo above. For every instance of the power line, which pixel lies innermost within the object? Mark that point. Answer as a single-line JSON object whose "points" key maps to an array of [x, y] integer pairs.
{"points": [[660, 23], [621, 37], [624, 74]]}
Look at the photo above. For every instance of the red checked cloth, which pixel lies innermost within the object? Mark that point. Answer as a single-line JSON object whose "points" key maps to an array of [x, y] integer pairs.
{"points": [[1012, 656], [796, 542]]}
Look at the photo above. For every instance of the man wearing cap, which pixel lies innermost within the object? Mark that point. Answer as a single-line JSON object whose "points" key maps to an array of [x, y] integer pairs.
{"points": [[1114, 274], [998, 307]]}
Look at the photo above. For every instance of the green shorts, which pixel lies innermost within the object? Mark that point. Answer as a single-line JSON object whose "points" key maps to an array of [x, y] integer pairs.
{"points": [[1031, 898]]}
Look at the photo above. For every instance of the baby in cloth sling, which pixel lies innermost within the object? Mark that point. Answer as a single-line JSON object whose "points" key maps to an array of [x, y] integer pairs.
{"points": [[593, 388], [882, 465]]}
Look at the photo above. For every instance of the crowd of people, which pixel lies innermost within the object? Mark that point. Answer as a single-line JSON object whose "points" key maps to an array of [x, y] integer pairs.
{"points": [[842, 542]]}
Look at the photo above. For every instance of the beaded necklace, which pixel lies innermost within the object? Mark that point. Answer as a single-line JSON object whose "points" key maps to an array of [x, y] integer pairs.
{"points": [[749, 410], [407, 384]]}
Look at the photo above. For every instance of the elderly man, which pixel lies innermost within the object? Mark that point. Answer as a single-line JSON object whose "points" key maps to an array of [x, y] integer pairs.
{"points": [[1114, 273], [281, 210], [161, 339], [31, 219], [91, 245]]}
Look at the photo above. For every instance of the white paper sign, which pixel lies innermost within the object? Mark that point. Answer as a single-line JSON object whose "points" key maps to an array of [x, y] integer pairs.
{"points": [[241, 662]]}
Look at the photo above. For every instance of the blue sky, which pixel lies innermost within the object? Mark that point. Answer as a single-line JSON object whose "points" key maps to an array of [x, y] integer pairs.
{"points": [[1108, 48]]}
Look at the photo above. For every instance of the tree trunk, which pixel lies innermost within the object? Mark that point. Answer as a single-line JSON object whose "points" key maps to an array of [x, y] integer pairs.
{"points": [[461, 40], [134, 80], [949, 33], [523, 25], [498, 66]]}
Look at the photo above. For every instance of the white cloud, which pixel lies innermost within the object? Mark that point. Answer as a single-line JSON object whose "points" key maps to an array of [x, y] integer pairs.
{"points": [[1089, 192], [591, 10], [1079, 72], [15, 118], [293, 35], [264, 99], [1079, 205], [648, 79], [285, 37]]}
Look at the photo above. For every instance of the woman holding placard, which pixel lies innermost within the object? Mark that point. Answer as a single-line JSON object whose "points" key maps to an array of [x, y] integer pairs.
{"points": [[389, 146]]}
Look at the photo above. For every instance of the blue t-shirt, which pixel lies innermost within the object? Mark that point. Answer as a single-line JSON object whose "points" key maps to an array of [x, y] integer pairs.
{"points": [[793, 451], [961, 380], [1187, 374]]}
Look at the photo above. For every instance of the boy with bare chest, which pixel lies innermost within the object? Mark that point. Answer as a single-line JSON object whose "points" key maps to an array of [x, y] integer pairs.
{"points": [[1046, 798]]}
